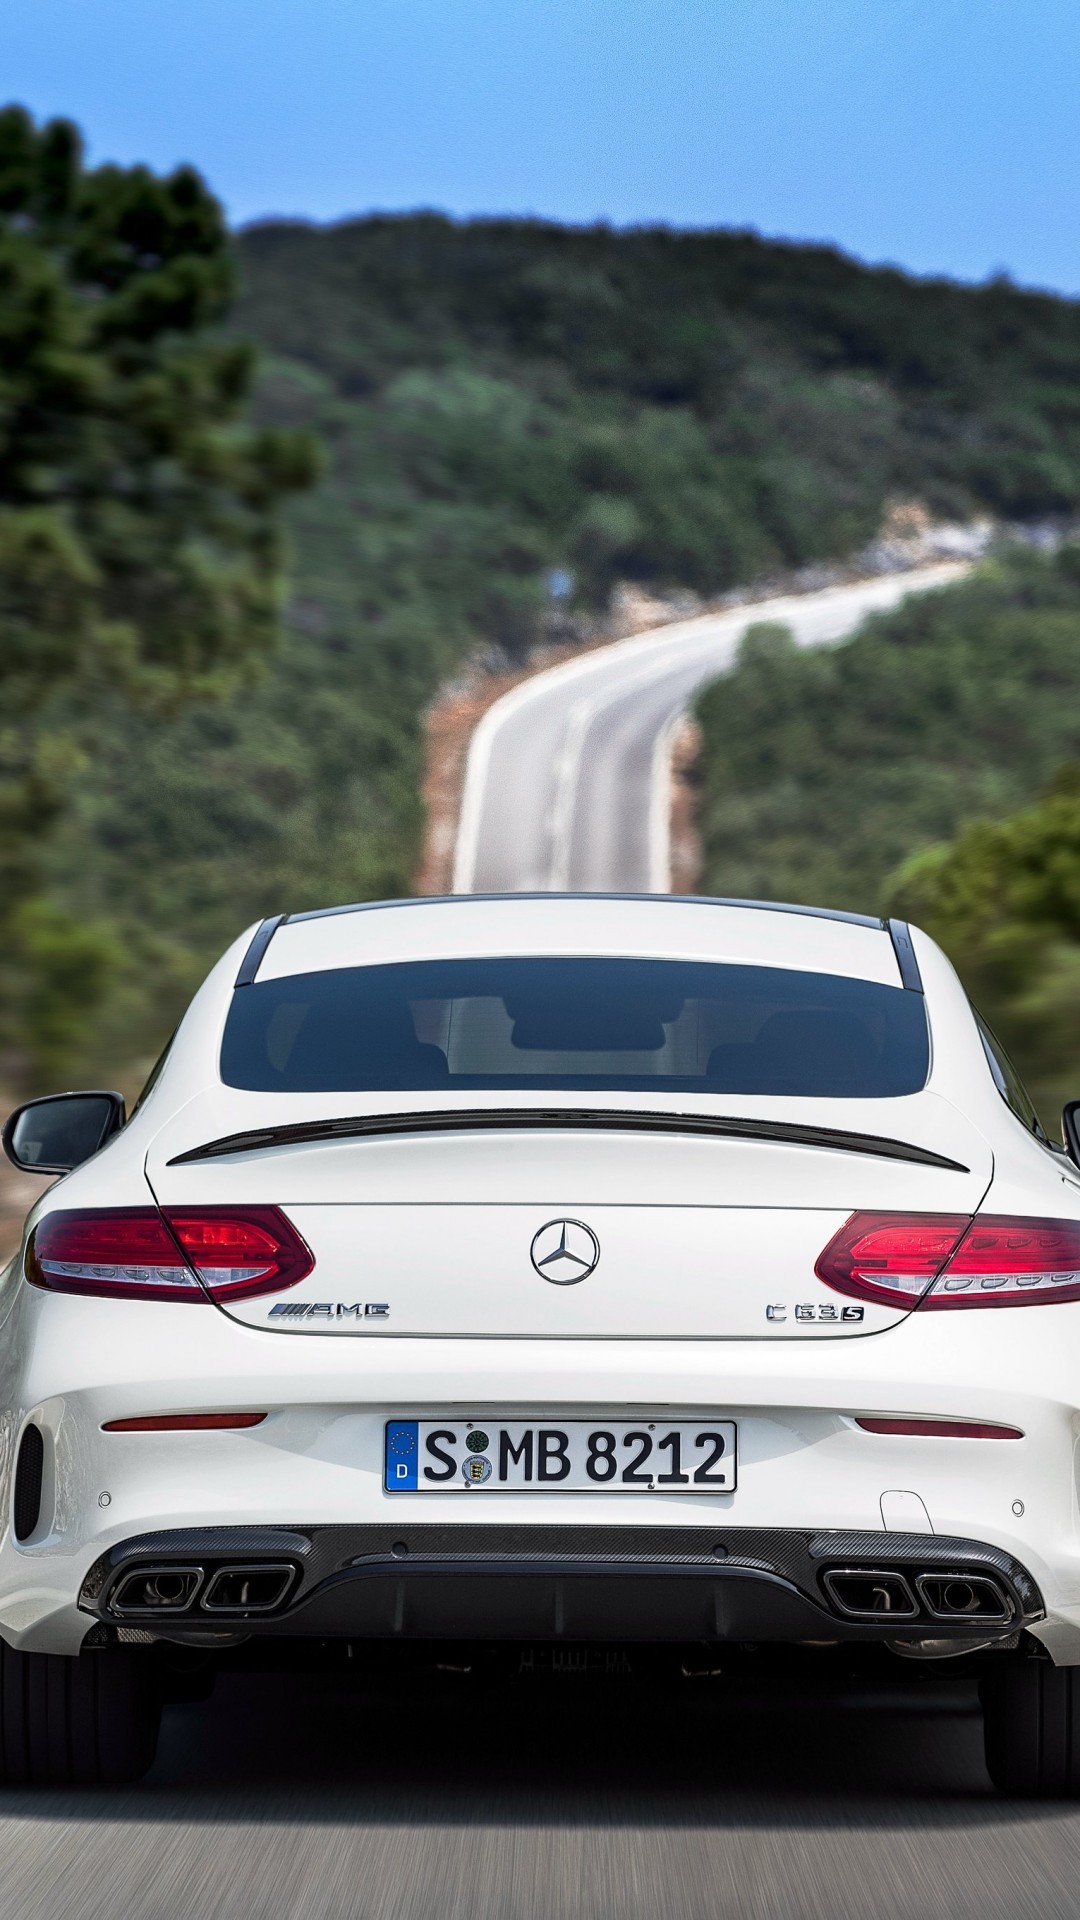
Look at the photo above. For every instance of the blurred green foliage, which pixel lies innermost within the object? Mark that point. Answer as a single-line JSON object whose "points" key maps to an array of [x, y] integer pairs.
{"points": [[140, 551], [896, 772], [1004, 899], [499, 401]]}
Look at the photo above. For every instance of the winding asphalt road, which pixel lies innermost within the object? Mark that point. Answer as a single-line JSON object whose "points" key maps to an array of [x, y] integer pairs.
{"points": [[567, 784]]}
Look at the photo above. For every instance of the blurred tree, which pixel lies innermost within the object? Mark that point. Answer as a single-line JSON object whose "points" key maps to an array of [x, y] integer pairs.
{"points": [[139, 539], [939, 746], [822, 769], [1003, 898]]}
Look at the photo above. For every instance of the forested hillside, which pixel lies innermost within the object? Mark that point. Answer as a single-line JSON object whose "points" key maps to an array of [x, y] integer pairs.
{"points": [[141, 548], [902, 772], [499, 404]]}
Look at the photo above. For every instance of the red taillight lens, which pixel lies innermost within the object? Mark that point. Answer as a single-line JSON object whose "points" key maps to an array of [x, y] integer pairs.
{"points": [[932, 1260], [184, 1253], [236, 1251], [1005, 1260], [890, 1257], [115, 1251]]}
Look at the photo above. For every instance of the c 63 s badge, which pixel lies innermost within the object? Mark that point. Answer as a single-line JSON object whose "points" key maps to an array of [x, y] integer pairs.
{"points": [[821, 1315], [329, 1310]]}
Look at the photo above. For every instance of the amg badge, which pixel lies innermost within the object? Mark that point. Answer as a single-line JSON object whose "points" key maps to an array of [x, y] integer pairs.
{"points": [[329, 1310]]}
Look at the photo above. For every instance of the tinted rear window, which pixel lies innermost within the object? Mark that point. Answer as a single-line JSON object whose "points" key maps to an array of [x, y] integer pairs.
{"points": [[588, 1025]]}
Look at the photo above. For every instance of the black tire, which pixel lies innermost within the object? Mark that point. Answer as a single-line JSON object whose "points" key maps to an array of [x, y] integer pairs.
{"points": [[88, 1721], [1031, 1722]]}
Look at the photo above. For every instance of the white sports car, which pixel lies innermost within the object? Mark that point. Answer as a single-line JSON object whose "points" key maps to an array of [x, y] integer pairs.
{"points": [[626, 1272]]}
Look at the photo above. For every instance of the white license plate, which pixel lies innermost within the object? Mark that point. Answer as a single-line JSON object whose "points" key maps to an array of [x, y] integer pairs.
{"points": [[560, 1456]]}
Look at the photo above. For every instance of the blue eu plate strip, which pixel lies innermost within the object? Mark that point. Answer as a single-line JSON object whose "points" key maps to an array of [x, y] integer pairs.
{"points": [[402, 1449]]}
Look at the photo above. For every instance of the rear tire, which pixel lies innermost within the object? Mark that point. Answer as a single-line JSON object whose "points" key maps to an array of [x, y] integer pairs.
{"points": [[88, 1721], [1031, 1722]]}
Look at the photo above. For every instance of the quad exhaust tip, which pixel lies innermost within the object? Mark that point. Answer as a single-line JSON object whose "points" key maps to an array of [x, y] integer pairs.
{"points": [[964, 1596], [868, 1594], [157, 1590], [250, 1589], [257, 1587], [862, 1593]]}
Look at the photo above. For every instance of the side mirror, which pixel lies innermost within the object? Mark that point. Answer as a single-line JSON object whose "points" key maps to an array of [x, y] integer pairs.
{"points": [[1070, 1130], [58, 1133]]}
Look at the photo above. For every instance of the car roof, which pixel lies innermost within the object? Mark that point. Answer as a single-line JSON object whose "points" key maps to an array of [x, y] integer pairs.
{"points": [[747, 932]]}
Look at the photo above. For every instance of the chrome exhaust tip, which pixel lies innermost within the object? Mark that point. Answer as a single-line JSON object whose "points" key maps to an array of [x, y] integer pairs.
{"points": [[964, 1596], [259, 1587], [860, 1593], [155, 1590]]}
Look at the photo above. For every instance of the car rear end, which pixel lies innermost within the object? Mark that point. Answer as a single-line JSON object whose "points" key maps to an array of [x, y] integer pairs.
{"points": [[477, 1271]]}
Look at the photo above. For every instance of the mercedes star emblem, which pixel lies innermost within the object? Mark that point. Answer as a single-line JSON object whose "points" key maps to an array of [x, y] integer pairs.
{"points": [[564, 1252]]}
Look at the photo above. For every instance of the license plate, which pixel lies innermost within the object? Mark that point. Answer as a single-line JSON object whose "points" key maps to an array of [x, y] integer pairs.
{"points": [[560, 1456]]}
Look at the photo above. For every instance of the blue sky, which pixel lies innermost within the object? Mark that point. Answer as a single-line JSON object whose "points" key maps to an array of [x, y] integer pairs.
{"points": [[943, 135]]}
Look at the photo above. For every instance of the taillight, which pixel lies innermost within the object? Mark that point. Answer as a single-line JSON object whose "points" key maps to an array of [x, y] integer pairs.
{"points": [[110, 1250], [1006, 1260], [182, 1253], [890, 1257], [931, 1260], [241, 1250]]}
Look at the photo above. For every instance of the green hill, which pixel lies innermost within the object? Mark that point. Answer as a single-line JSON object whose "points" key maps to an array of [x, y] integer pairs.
{"points": [[498, 400], [823, 772]]}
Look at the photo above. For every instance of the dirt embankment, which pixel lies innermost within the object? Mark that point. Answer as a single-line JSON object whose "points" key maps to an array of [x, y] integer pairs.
{"points": [[686, 859]]}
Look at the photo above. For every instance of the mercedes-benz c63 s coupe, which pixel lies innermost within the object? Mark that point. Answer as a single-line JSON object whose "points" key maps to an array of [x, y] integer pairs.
{"points": [[691, 1279]]}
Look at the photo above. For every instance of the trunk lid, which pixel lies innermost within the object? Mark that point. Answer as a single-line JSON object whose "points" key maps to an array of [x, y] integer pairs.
{"points": [[694, 1236]]}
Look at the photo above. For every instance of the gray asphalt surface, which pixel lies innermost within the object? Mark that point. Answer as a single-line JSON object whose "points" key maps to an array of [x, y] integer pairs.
{"points": [[561, 784], [442, 1799]]}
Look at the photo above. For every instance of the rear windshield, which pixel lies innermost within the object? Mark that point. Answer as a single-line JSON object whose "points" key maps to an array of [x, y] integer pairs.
{"points": [[576, 1025]]}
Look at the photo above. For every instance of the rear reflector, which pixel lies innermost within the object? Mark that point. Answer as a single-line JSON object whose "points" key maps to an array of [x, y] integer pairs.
{"points": [[183, 1253], [932, 1260], [938, 1429], [183, 1423]]}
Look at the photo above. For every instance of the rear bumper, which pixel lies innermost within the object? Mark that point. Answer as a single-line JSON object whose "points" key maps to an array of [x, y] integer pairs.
{"points": [[560, 1583], [804, 1465]]}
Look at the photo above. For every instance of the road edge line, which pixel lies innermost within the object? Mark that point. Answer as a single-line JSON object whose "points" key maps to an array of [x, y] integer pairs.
{"points": [[660, 776]]}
